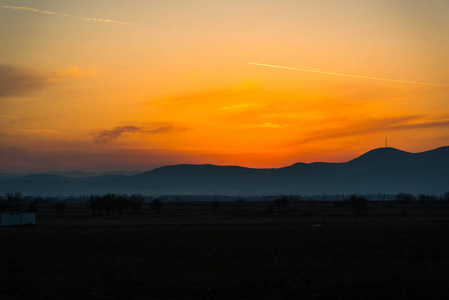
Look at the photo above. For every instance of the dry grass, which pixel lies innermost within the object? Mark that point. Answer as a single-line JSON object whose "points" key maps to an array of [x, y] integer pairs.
{"points": [[192, 252]]}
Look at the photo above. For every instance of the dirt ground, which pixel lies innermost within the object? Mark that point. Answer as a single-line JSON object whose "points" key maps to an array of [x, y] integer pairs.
{"points": [[236, 252]]}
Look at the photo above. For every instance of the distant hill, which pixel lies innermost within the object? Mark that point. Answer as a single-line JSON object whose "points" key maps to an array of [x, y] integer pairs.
{"points": [[72, 174], [383, 170]]}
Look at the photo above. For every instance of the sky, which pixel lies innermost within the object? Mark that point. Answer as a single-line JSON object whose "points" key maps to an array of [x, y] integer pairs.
{"points": [[104, 85]]}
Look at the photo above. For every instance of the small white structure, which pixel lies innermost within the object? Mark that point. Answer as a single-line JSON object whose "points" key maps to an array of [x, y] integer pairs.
{"points": [[15, 219]]}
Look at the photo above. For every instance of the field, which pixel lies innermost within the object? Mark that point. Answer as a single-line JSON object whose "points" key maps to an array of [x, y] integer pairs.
{"points": [[239, 251]]}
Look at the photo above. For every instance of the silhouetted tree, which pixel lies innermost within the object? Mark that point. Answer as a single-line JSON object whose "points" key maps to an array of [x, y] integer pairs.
{"points": [[3, 205], [33, 205], [281, 202], [427, 200], [96, 203], [157, 204], [343, 203], [404, 199], [135, 201], [91, 203], [358, 204], [121, 203], [109, 202], [446, 197], [14, 201]]}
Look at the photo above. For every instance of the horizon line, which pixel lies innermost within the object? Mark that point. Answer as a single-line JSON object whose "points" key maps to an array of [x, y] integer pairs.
{"points": [[209, 164]]}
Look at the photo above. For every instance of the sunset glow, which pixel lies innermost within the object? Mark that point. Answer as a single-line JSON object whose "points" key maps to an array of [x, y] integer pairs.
{"points": [[133, 85]]}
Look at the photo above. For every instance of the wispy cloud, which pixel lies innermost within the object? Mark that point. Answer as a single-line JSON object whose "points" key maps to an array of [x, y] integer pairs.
{"points": [[72, 73], [110, 135], [17, 81], [214, 94], [235, 107], [9, 116], [61, 14], [426, 124], [106, 136], [189, 98], [51, 131], [266, 125], [371, 126]]}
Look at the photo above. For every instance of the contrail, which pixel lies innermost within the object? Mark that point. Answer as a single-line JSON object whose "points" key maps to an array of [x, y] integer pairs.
{"points": [[60, 14], [102, 20], [349, 75], [34, 10]]}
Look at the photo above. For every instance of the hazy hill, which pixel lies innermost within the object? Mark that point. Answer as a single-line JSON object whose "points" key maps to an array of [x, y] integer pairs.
{"points": [[383, 170]]}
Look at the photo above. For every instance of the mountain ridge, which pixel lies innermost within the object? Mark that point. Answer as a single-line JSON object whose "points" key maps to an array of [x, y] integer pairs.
{"points": [[380, 170]]}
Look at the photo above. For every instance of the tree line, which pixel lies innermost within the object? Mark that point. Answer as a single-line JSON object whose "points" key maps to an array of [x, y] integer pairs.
{"points": [[111, 203], [98, 204]]}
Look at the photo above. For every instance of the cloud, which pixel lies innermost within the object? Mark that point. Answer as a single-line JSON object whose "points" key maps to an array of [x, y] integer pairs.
{"points": [[266, 125], [370, 126], [189, 98], [425, 124], [107, 136], [73, 73], [9, 116], [47, 131], [214, 94], [16, 81], [61, 14], [235, 107]]}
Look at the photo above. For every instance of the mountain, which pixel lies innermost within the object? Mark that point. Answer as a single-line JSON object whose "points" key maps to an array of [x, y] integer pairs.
{"points": [[72, 174], [383, 170]]}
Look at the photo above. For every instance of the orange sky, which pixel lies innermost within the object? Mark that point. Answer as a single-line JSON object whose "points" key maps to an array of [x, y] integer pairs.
{"points": [[132, 85]]}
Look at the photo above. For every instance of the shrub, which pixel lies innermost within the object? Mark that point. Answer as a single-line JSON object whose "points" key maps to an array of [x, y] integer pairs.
{"points": [[403, 198], [358, 204], [157, 204], [135, 200], [14, 201]]}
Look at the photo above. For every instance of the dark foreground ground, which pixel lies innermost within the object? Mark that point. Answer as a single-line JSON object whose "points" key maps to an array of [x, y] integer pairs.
{"points": [[213, 255]]}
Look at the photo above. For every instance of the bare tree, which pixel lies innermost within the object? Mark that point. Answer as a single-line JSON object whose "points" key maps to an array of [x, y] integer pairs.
{"points": [[121, 202], [404, 199], [33, 205], [446, 197], [358, 204], [97, 204], [427, 200], [281, 202], [157, 204], [109, 201], [136, 200], [14, 201]]}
